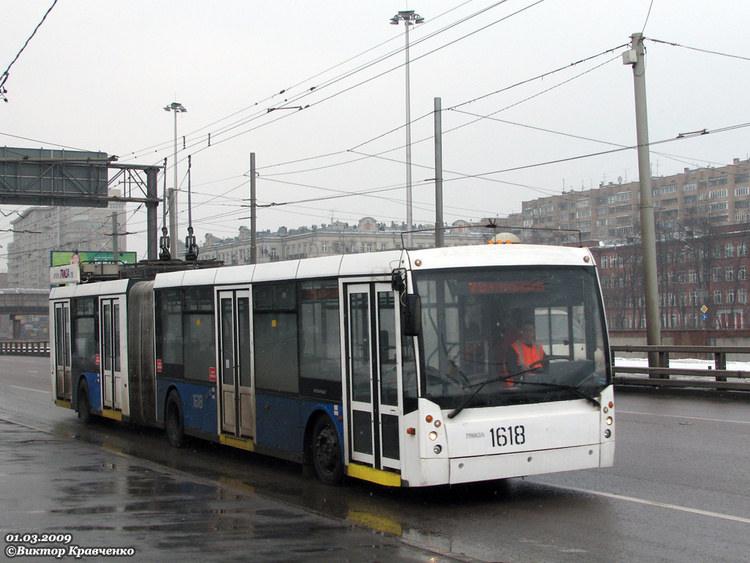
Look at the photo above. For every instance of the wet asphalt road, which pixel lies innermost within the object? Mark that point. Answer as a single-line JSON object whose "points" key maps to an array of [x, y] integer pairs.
{"points": [[100, 500], [679, 491]]}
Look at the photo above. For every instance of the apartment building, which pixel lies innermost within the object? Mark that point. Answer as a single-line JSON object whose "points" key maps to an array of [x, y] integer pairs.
{"points": [[610, 212], [39, 230]]}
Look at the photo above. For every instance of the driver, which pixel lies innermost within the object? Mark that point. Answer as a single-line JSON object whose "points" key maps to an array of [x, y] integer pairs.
{"points": [[526, 354]]}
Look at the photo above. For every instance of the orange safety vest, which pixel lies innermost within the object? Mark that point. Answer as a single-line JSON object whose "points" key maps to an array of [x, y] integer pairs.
{"points": [[528, 355]]}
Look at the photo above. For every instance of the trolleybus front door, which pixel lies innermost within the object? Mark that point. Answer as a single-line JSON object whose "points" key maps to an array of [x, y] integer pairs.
{"points": [[374, 375], [111, 352], [237, 400], [63, 369]]}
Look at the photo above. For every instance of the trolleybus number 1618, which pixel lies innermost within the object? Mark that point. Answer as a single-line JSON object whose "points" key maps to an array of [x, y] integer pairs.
{"points": [[508, 436]]}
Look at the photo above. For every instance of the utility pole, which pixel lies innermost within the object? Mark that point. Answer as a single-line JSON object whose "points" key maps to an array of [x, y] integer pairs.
{"points": [[253, 205], [635, 57], [115, 234], [439, 233]]}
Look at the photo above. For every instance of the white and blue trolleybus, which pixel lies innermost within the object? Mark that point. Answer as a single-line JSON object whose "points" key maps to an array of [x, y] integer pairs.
{"points": [[395, 367]]}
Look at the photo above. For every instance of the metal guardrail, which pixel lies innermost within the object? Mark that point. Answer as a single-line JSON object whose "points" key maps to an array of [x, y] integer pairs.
{"points": [[660, 374], [24, 347], [716, 376]]}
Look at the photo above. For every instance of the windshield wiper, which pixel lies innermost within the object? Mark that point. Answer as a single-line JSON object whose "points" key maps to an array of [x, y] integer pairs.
{"points": [[510, 377], [480, 386], [575, 390]]}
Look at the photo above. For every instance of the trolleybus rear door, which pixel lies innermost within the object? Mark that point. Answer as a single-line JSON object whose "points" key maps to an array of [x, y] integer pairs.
{"points": [[374, 366], [235, 380], [111, 352], [63, 370]]}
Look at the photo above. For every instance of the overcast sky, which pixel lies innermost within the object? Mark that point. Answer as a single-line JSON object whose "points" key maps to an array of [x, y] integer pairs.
{"points": [[97, 75]]}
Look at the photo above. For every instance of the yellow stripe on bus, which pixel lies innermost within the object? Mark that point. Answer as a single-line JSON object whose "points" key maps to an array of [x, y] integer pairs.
{"points": [[114, 415], [374, 475], [63, 404], [235, 442]]}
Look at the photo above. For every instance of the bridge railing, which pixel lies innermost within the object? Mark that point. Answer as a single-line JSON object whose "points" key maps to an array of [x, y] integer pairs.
{"points": [[24, 347], [705, 367]]}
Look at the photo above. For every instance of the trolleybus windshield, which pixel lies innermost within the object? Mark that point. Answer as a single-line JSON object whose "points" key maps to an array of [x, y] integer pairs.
{"points": [[499, 336]]}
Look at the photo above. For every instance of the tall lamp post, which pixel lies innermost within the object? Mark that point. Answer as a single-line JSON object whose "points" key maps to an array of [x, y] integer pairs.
{"points": [[172, 203], [409, 17]]}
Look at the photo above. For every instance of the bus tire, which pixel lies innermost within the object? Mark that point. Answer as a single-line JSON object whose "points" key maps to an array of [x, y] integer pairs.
{"points": [[326, 452], [174, 421], [84, 403]]}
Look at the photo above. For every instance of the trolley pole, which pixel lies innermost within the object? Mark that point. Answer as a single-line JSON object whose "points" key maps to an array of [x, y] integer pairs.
{"points": [[635, 58]]}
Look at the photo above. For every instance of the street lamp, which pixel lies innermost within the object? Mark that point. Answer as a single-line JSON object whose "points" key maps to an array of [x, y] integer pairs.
{"points": [[176, 108], [409, 17]]}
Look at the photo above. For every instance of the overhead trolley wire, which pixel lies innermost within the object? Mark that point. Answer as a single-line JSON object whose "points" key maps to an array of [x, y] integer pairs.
{"points": [[4, 76], [307, 91], [708, 51], [314, 89], [473, 100]]}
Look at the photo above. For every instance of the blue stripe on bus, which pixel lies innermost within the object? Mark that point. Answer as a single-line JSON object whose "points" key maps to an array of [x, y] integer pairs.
{"points": [[281, 421], [95, 390], [198, 405]]}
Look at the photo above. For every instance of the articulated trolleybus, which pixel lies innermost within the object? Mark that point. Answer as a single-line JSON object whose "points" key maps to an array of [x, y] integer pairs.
{"points": [[394, 367]]}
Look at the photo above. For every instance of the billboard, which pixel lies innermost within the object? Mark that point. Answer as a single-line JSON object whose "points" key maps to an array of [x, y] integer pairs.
{"points": [[60, 258]]}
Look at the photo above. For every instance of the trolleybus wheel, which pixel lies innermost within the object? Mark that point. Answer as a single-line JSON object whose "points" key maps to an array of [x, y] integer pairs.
{"points": [[174, 421], [84, 405], [326, 452]]}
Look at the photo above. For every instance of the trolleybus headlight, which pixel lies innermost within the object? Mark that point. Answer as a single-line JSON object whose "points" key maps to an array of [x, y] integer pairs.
{"points": [[609, 421], [428, 418], [607, 433], [438, 424], [437, 449], [433, 435]]}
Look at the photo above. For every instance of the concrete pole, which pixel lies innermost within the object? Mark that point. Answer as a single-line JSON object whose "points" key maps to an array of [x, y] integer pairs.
{"points": [[115, 243], [635, 57], [172, 199], [253, 205], [439, 233], [152, 226]]}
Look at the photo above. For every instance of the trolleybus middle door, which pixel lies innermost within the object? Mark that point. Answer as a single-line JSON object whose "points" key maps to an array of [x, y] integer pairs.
{"points": [[374, 368], [63, 368], [235, 376], [111, 353]]}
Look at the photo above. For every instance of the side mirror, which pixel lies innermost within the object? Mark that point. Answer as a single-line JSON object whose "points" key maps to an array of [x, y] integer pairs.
{"points": [[411, 315]]}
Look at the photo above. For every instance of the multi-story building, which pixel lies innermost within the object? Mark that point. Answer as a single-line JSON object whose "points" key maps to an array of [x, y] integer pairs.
{"points": [[702, 280], [610, 212], [40, 230]]}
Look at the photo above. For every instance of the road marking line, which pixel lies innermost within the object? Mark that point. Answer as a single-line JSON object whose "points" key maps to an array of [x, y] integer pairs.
{"points": [[29, 389], [661, 504], [688, 417]]}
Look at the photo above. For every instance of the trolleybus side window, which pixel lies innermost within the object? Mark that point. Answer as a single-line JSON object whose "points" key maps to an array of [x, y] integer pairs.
{"points": [[169, 332], [198, 333], [185, 330], [409, 371], [320, 346], [85, 341], [275, 333]]}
